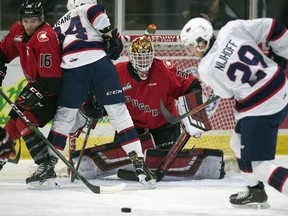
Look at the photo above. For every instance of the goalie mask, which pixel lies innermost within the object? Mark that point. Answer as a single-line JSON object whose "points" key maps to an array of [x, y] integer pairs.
{"points": [[141, 55], [72, 4], [195, 31], [30, 9]]}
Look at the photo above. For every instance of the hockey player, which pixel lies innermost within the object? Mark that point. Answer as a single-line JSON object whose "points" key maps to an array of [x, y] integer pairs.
{"points": [[236, 68], [88, 45], [155, 79], [145, 81], [37, 45]]}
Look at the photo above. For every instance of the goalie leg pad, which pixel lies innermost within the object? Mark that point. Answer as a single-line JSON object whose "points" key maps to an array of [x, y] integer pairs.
{"points": [[196, 163], [108, 158]]}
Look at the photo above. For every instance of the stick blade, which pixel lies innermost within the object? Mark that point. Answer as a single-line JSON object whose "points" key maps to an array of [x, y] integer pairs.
{"points": [[112, 188]]}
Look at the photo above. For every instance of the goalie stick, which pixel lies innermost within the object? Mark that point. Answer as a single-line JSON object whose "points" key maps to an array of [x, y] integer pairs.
{"points": [[91, 123], [172, 154], [173, 120], [94, 188]]}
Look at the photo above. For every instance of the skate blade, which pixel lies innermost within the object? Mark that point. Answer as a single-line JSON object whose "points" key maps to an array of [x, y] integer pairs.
{"points": [[48, 184], [264, 205], [151, 184]]}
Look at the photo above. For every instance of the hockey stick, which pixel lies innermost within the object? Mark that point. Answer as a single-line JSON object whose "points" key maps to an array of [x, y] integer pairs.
{"points": [[172, 154], [83, 149], [172, 119], [94, 188]]}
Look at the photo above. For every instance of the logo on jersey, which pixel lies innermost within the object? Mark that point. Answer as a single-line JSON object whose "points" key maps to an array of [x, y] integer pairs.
{"points": [[141, 106], [114, 92], [73, 59], [168, 64], [211, 108], [126, 87], [18, 38], [42, 36]]}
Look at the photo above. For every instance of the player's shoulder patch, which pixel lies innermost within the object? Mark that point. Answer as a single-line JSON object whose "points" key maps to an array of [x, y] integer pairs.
{"points": [[42, 36], [168, 64]]}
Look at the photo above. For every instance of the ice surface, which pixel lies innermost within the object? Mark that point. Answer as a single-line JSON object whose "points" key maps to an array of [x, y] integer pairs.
{"points": [[193, 197]]}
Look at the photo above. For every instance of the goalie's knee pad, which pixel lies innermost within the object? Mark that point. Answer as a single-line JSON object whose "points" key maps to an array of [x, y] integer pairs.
{"points": [[198, 122]]}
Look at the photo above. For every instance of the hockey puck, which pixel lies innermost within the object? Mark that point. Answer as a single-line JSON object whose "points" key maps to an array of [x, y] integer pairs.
{"points": [[126, 209]]}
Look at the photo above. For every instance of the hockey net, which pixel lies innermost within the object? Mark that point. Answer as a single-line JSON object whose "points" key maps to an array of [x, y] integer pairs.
{"points": [[220, 112]]}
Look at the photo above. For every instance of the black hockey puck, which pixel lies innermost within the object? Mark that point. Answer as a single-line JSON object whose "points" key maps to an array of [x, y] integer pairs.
{"points": [[125, 209]]}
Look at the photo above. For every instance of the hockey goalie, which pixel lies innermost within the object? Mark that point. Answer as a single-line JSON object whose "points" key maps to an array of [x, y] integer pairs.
{"points": [[195, 163]]}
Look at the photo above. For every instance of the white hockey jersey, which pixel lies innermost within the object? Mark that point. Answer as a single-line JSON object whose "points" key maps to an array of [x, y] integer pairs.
{"points": [[79, 35], [235, 67]]}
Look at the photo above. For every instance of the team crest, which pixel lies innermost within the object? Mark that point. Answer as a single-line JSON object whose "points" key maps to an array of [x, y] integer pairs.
{"points": [[42, 36], [211, 108], [168, 64]]}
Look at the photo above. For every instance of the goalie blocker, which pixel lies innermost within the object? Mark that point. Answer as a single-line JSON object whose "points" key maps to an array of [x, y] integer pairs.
{"points": [[107, 159]]}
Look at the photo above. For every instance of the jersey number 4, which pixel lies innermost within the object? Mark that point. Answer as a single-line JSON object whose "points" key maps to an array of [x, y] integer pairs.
{"points": [[248, 57], [75, 28]]}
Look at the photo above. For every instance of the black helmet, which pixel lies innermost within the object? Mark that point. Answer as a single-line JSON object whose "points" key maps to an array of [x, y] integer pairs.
{"points": [[31, 8]]}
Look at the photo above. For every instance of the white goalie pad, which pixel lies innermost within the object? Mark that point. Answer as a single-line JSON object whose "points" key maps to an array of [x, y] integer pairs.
{"points": [[198, 122]]}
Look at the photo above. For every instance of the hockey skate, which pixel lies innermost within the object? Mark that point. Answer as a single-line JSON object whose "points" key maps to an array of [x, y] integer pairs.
{"points": [[43, 177], [252, 197], [145, 176]]}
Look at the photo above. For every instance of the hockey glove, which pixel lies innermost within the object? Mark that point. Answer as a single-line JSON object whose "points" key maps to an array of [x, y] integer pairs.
{"points": [[93, 109], [30, 97], [3, 70], [113, 45], [6, 145]]}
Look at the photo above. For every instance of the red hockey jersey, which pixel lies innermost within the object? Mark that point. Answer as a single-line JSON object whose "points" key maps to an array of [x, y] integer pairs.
{"points": [[39, 57], [143, 96]]}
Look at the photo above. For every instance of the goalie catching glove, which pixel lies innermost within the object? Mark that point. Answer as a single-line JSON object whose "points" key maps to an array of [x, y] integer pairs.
{"points": [[198, 122], [6, 145], [113, 45]]}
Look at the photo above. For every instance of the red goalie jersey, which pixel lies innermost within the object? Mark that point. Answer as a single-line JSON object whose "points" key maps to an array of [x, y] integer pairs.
{"points": [[143, 96]]}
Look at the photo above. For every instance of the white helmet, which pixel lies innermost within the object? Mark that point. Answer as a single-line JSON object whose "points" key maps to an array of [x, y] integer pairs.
{"points": [[72, 4], [194, 31], [141, 55]]}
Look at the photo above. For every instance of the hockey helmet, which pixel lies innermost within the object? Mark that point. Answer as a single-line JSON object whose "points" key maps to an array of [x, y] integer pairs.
{"points": [[72, 4], [141, 55], [30, 9], [195, 31]]}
